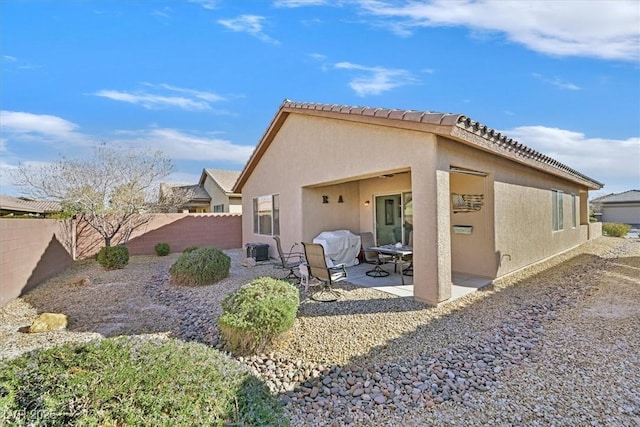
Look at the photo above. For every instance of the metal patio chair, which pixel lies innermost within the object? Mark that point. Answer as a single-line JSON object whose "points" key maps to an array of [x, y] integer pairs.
{"points": [[289, 260], [318, 269]]}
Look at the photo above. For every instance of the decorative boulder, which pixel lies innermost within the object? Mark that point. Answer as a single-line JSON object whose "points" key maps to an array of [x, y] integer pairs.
{"points": [[49, 322]]}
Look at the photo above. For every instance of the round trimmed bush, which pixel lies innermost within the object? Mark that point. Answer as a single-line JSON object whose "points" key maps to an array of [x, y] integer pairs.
{"points": [[615, 229], [128, 381], [113, 257], [202, 266], [257, 314], [162, 249], [189, 249]]}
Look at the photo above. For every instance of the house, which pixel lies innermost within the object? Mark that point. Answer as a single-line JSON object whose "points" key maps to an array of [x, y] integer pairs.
{"points": [[621, 207], [470, 199], [186, 198], [22, 206], [212, 193], [219, 184]]}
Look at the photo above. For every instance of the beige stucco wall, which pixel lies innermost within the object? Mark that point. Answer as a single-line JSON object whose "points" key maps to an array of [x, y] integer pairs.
{"points": [[218, 197], [473, 253], [313, 156], [235, 205], [518, 205]]}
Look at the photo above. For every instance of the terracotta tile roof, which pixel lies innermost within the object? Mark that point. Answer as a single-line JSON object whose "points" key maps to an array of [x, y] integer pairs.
{"points": [[410, 115], [225, 179], [19, 204], [498, 142], [630, 196]]}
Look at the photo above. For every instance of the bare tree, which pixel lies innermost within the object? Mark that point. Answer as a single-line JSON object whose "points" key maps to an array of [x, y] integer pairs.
{"points": [[114, 191]]}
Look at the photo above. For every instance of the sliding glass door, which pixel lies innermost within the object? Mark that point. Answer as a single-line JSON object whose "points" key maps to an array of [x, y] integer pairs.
{"points": [[394, 218]]}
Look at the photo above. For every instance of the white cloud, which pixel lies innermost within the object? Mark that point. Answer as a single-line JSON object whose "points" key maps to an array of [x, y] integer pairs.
{"points": [[376, 80], [604, 159], [207, 4], [586, 28], [183, 146], [251, 24], [193, 101], [183, 178], [43, 126], [556, 81], [303, 3], [18, 129], [154, 101], [10, 58], [207, 96], [164, 13]]}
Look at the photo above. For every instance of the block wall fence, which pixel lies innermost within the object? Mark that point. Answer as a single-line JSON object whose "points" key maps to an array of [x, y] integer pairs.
{"points": [[31, 250]]}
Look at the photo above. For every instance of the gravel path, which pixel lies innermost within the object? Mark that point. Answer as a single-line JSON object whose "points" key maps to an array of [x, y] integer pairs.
{"points": [[553, 345]]}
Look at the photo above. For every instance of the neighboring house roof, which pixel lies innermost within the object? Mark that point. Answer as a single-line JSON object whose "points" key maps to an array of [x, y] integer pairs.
{"points": [[225, 179], [192, 193], [455, 126], [630, 196], [22, 204]]}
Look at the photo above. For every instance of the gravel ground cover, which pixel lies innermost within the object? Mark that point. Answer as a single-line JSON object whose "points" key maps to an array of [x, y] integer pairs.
{"points": [[555, 344]]}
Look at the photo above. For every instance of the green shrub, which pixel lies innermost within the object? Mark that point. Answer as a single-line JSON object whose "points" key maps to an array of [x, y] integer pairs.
{"points": [[113, 257], [130, 382], [189, 249], [615, 229], [259, 312], [203, 266], [162, 249]]}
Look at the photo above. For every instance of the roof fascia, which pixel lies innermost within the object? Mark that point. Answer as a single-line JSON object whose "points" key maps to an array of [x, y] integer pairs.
{"points": [[514, 151], [203, 177]]}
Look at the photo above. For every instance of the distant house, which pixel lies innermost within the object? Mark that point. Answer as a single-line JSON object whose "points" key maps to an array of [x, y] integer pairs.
{"points": [[619, 207], [219, 185], [22, 206], [467, 198], [213, 193]]}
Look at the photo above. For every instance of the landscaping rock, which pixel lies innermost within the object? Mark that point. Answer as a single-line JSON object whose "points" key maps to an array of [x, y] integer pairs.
{"points": [[47, 322]]}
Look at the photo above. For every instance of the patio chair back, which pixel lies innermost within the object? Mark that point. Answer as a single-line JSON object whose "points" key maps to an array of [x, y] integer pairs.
{"points": [[289, 259], [371, 257], [367, 242], [314, 254]]}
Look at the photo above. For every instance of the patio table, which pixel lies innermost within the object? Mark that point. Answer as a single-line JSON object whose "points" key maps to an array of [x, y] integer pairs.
{"points": [[397, 253]]}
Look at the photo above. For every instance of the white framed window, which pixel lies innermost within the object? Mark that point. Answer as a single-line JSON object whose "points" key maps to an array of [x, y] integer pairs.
{"points": [[266, 215], [218, 208], [557, 210], [574, 211]]}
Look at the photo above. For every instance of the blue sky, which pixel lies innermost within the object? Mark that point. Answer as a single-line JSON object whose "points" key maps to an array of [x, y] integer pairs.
{"points": [[201, 79]]}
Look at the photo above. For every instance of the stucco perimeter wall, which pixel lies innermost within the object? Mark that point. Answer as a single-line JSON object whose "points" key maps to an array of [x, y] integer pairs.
{"points": [[179, 230], [522, 208], [30, 251]]}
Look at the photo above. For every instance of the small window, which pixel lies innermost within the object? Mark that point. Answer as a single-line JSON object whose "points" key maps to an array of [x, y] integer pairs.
{"points": [[574, 211], [557, 209], [218, 208], [266, 215]]}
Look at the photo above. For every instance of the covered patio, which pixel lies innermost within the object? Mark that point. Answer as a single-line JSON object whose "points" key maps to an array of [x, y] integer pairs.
{"points": [[462, 284]]}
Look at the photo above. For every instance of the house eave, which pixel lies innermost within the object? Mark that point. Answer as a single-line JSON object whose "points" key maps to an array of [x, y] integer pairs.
{"points": [[455, 126], [493, 142]]}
